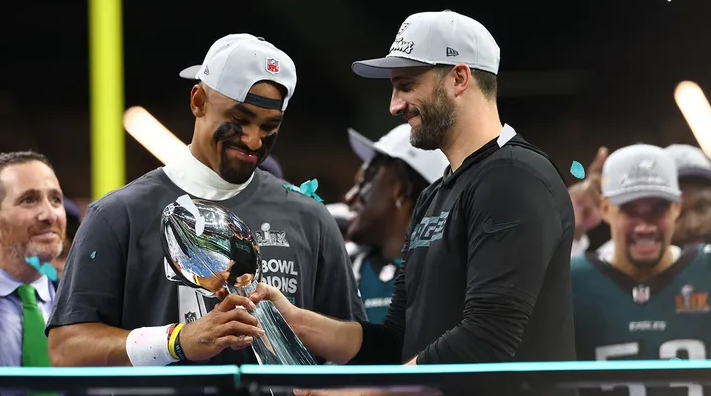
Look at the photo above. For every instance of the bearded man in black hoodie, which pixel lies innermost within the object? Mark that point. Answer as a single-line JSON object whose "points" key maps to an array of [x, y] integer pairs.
{"points": [[486, 270]]}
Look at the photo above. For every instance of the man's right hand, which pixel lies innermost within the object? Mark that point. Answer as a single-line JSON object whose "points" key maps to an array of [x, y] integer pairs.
{"points": [[226, 326], [586, 194], [265, 292]]}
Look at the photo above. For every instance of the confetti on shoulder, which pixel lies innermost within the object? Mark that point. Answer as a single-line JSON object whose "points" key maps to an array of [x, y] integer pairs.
{"points": [[307, 188], [93, 254], [577, 170]]}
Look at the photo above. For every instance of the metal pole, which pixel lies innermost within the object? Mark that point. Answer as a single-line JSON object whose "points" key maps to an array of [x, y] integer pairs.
{"points": [[108, 170]]}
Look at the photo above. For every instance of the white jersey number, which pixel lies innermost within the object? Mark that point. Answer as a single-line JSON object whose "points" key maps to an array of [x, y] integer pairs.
{"points": [[669, 350]]}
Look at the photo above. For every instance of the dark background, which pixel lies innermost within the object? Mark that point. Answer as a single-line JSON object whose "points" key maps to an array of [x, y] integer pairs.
{"points": [[574, 74]]}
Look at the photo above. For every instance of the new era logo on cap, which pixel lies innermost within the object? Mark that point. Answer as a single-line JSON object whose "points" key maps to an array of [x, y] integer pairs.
{"points": [[436, 38]]}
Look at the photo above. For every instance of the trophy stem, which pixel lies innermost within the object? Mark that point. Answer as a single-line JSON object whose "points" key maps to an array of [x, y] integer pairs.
{"points": [[279, 345]]}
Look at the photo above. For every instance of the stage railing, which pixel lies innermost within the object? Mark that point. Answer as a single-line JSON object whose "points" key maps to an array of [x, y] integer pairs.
{"points": [[253, 380]]}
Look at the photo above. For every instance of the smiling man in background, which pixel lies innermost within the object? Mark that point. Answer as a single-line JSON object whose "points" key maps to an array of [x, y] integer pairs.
{"points": [[32, 224]]}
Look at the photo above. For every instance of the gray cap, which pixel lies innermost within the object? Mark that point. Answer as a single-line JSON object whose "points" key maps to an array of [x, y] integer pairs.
{"points": [[640, 171], [436, 38], [690, 161]]}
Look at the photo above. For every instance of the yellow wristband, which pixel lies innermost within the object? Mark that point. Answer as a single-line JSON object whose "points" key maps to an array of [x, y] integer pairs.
{"points": [[173, 338]]}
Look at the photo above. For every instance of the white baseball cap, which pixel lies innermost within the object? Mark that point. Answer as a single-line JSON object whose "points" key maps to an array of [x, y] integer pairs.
{"points": [[236, 62], [430, 164], [640, 171], [436, 38]]}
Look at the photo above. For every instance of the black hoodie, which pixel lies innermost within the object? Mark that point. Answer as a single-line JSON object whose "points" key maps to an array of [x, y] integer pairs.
{"points": [[486, 275]]}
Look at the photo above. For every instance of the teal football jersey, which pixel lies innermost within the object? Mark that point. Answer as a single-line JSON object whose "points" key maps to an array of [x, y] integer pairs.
{"points": [[665, 317], [376, 285]]}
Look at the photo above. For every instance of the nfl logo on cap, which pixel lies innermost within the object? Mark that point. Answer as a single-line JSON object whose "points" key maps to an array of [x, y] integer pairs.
{"points": [[272, 65]]}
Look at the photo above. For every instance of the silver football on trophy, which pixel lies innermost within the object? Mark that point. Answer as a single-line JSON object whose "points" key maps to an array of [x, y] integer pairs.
{"points": [[208, 247]]}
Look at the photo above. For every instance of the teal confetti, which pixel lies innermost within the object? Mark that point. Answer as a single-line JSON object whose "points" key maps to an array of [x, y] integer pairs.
{"points": [[307, 188], [577, 170], [93, 254], [44, 269]]}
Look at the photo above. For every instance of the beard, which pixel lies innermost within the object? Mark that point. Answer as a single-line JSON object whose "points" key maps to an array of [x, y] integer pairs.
{"points": [[437, 117], [234, 170], [45, 252]]}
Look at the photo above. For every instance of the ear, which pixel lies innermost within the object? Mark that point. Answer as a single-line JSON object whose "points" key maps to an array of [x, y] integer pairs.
{"points": [[462, 78], [675, 210], [198, 100], [400, 194], [605, 210]]}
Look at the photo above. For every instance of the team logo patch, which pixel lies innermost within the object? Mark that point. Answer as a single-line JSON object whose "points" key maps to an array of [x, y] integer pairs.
{"points": [[641, 294], [402, 29], [690, 302], [268, 237], [387, 273], [190, 317], [273, 65]]}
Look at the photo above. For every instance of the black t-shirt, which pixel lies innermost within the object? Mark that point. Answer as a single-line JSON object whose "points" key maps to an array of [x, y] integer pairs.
{"points": [[115, 272], [486, 275]]}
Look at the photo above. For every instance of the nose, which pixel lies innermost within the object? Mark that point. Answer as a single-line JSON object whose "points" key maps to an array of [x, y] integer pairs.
{"points": [[352, 195], [50, 213], [397, 103], [252, 137]]}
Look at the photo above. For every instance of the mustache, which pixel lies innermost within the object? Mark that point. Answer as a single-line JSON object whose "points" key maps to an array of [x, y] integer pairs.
{"points": [[409, 114], [46, 228]]}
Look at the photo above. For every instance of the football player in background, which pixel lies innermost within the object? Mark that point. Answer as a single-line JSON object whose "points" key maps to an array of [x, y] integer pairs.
{"points": [[693, 224], [387, 186], [647, 298]]}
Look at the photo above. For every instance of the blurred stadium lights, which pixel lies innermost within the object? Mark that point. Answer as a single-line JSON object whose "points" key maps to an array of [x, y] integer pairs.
{"points": [[152, 135], [696, 110]]}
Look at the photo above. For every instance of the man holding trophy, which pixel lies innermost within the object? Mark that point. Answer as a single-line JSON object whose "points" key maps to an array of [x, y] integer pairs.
{"points": [[119, 303]]}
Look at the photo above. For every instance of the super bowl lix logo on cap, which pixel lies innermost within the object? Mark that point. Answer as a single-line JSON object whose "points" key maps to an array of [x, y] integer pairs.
{"points": [[273, 65]]}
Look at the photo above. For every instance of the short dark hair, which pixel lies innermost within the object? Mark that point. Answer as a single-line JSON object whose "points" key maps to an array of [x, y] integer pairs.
{"points": [[20, 157], [412, 181], [485, 80]]}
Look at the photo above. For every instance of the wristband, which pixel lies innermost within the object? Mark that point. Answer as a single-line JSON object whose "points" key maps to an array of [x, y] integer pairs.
{"points": [[146, 346], [176, 351]]}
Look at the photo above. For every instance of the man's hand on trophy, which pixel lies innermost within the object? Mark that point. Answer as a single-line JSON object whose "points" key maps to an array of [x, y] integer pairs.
{"points": [[270, 293], [226, 326]]}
